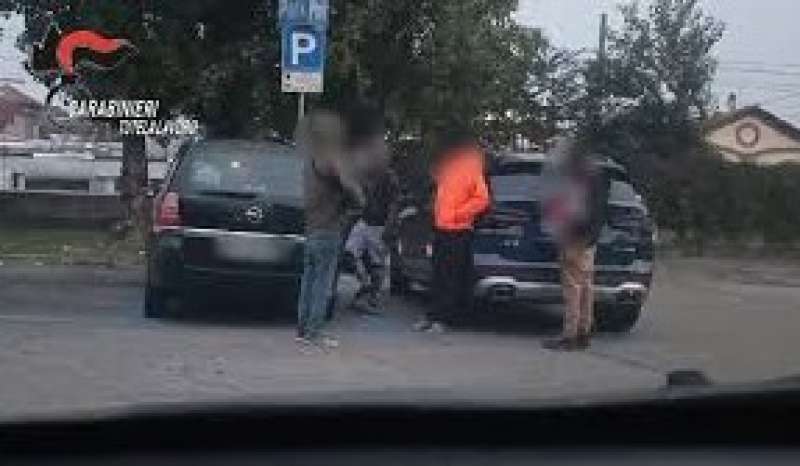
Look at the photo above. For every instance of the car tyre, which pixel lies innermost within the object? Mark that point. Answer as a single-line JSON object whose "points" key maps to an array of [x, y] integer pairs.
{"points": [[474, 312], [155, 302], [618, 319]]}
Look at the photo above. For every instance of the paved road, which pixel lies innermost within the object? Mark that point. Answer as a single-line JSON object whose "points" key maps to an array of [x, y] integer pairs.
{"points": [[74, 339]]}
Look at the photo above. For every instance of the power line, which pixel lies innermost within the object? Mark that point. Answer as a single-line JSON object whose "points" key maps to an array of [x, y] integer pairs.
{"points": [[791, 95], [762, 71], [758, 63], [757, 89]]}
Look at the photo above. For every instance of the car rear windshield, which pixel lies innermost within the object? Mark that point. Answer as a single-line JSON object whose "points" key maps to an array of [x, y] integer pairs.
{"points": [[622, 192], [516, 187], [269, 170], [517, 168], [529, 187]]}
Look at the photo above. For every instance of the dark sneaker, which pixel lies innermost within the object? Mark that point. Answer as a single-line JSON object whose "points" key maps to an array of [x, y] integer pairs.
{"points": [[373, 301], [371, 311], [363, 291], [561, 344], [583, 342]]}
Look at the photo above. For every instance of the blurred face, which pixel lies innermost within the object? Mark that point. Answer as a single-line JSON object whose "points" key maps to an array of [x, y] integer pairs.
{"points": [[372, 156]]}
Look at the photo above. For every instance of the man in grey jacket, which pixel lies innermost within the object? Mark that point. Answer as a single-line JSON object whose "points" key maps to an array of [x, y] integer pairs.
{"points": [[330, 142]]}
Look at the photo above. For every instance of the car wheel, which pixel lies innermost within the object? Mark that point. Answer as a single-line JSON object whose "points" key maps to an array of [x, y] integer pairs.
{"points": [[474, 311], [155, 302], [619, 319]]}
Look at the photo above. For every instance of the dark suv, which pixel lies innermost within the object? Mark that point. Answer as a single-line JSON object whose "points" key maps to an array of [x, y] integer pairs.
{"points": [[515, 259], [230, 213]]}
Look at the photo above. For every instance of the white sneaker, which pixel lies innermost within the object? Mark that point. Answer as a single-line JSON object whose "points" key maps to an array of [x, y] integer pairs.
{"points": [[329, 342], [437, 328], [422, 325]]}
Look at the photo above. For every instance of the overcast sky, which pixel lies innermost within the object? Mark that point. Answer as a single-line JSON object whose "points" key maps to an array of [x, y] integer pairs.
{"points": [[759, 53]]}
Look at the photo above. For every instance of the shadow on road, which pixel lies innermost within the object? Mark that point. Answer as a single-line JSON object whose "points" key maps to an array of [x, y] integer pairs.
{"points": [[515, 319], [502, 319], [227, 309]]}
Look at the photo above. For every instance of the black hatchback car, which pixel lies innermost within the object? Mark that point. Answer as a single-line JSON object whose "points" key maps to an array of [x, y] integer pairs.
{"points": [[229, 213], [516, 260]]}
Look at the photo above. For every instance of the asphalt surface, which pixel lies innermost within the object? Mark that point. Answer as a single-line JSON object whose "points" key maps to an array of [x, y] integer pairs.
{"points": [[73, 340]]}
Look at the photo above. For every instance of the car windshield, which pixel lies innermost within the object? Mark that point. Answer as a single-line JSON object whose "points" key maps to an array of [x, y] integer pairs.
{"points": [[332, 201], [270, 170]]}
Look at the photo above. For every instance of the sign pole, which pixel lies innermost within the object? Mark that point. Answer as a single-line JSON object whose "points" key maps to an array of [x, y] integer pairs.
{"points": [[301, 106]]}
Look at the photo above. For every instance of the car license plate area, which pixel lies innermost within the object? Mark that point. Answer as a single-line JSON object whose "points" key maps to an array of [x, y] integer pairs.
{"points": [[246, 249]]}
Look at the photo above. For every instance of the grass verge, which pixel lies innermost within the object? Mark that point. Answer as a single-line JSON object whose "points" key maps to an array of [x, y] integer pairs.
{"points": [[69, 246]]}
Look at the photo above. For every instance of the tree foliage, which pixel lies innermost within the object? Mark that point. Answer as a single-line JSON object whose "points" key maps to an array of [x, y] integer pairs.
{"points": [[661, 60], [425, 61]]}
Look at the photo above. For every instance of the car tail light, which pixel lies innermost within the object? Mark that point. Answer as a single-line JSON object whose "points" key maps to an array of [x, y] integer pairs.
{"points": [[167, 212]]}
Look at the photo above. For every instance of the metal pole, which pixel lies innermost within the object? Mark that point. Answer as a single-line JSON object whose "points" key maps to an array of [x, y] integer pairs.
{"points": [[600, 85], [601, 51], [301, 106]]}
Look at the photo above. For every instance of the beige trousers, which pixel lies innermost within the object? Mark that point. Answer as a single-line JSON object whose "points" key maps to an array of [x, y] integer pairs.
{"points": [[577, 275]]}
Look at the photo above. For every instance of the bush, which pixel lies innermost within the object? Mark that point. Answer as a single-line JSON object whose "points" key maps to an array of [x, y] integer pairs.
{"points": [[705, 199]]}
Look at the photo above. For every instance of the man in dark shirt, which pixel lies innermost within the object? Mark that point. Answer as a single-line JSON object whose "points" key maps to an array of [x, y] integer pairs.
{"points": [[332, 143], [367, 242]]}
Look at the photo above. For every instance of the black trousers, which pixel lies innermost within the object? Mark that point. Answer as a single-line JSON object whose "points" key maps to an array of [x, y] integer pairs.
{"points": [[453, 274]]}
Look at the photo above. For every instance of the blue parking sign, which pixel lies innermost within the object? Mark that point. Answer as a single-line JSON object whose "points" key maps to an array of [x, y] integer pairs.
{"points": [[303, 48], [302, 57]]}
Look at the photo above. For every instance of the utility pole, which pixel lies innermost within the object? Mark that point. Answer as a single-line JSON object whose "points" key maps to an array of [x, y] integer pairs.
{"points": [[600, 78], [601, 50]]}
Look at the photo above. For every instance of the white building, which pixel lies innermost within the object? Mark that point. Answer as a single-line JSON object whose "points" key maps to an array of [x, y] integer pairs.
{"points": [[34, 157]]}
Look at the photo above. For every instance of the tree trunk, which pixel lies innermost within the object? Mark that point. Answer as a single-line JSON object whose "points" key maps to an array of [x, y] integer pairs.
{"points": [[134, 184]]}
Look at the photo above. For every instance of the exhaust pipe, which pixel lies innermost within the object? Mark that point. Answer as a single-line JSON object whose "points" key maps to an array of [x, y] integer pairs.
{"points": [[502, 293]]}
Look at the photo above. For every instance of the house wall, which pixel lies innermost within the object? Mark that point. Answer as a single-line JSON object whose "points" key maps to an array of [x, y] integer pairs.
{"points": [[20, 127], [773, 146], [100, 173]]}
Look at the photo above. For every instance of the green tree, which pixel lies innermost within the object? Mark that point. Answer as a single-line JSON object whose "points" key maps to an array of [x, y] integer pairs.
{"points": [[425, 61], [661, 59], [660, 62], [428, 62]]}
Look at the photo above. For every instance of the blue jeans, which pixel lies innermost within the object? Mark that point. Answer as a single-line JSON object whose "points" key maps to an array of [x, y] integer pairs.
{"points": [[321, 259]]}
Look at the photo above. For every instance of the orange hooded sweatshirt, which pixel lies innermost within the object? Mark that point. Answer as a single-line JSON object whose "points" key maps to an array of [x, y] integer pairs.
{"points": [[461, 191]]}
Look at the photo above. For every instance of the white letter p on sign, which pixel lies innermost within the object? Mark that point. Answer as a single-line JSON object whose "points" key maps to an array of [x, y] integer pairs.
{"points": [[302, 43]]}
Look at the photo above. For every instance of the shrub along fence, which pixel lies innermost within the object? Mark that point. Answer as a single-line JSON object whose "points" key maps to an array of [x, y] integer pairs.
{"points": [[708, 202]]}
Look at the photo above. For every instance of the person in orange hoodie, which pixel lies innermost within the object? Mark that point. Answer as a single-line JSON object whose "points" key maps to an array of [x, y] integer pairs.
{"points": [[461, 197]]}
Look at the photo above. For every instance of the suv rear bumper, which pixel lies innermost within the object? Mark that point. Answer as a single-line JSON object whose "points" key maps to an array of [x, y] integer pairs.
{"points": [[506, 289], [185, 257]]}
